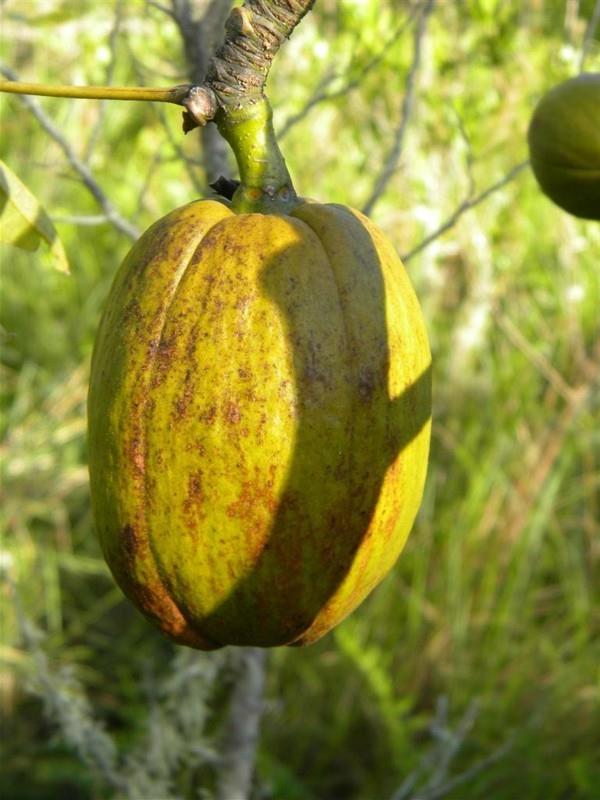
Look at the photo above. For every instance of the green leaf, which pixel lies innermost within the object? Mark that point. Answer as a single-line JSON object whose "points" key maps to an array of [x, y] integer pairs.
{"points": [[23, 221]]}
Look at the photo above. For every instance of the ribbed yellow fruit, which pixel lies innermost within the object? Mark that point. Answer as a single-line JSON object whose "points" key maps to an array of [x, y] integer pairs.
{"points": [[259, 419]]}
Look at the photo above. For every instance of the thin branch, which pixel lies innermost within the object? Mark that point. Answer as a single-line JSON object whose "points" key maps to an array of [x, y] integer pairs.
{"points": [[176, 741], [83, 220], [459, 780], [110, 71], [407, 107], [590, 33], [535, 357], [156, 160], [243, 726], [191, 165], [192, 23], [200, 33], [66, 702], [438, 760], [450, 745], [321, 95], [113, 216], [466, 205], [159, 7], [469, 155]]}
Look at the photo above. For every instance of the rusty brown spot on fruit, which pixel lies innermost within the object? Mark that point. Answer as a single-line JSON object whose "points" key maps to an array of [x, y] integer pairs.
{"points": [[183, 401], [200, 448], [132, 312], [165, 350], [244, 301], [130, 541], [159, 358], [135, 546], [136, 454], [366, 385], [209, 415], [232, 413], [156, 603], [254, 496], [194, 501]]}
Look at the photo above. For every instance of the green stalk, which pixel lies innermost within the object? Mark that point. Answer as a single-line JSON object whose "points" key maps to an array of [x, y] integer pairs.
{"points": [[175, 94], [266, 186]]}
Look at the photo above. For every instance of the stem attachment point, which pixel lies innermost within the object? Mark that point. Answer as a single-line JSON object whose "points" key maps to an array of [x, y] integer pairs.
{"points": [[266, 186], [200, 105]]}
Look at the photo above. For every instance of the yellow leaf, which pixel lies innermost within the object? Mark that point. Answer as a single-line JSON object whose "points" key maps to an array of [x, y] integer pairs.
{"points": [[23, 221]]}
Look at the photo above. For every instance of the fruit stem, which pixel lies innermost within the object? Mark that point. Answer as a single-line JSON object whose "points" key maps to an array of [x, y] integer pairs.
{"points": [[266, 186]]}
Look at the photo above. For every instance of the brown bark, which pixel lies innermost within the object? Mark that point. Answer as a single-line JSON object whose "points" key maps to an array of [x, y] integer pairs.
{"points": [[254, 33], [237, 73]]}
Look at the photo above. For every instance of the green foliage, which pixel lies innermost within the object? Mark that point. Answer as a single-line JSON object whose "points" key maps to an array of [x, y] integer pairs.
{"points": [[495, 598]]}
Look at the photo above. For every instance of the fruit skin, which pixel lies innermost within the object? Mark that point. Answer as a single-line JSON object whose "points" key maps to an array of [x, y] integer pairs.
{"points": [[259, 421], [564, 145]]}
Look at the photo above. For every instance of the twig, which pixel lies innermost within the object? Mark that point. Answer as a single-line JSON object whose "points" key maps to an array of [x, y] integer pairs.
{"points": [[176, 740], [466, 776], [156, 160], [407, 108], [197, 25], [199, 36], [191, 165], [321, 95], [175, 735], [466, 205], [113, 216], [159, 7], [469, 157], [546, 449], [242, 729], [450, 744], [83, 220], [66, 703], [437, 762], [110, 71], [535, 357]]}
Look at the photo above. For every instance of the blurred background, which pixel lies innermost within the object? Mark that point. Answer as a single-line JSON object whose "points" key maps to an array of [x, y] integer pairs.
{"points": [[473, 670]]}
